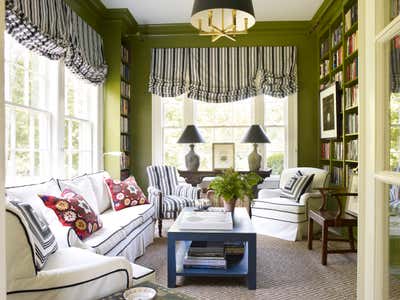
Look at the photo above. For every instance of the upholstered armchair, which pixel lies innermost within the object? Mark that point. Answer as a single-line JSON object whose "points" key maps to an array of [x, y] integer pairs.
{"points": [[168, 196], [285, 218]]}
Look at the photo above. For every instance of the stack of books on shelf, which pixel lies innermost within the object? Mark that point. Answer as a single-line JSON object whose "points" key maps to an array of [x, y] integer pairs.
{"points": [[337, 35], [124, 143], [325, 150], [124, 107], [352, 70], [338, 150], [324, 68], [124, 125], [125, 160], [125, 89], [125, 72], [395, 8], [352, 123], [324, 48], [337, 58], [124, 54], [352, 96], [337, 175], [205, 255], [352, 43], [352, 150], [351, 17], [233, 250]]}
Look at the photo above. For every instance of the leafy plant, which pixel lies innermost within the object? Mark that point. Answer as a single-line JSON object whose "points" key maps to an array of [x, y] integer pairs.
{"points": [[232, 185]]}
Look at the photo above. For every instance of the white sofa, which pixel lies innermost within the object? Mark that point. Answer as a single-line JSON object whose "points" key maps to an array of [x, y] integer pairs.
{"points": [[88, 269], [284, 218]]}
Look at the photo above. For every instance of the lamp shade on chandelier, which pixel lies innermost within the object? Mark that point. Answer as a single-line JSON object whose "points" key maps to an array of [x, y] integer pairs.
{"points": [[223, 18]]}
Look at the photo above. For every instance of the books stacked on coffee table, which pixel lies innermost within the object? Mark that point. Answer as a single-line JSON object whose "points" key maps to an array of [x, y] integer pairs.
{"points": [[205, 255]]}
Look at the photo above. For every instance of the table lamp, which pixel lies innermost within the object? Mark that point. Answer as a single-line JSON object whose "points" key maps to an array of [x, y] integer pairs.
{"points": [[191, 135], [255, 135]]}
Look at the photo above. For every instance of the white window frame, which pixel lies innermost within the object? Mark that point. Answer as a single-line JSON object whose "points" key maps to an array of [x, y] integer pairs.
{"points": [[257, 117]]}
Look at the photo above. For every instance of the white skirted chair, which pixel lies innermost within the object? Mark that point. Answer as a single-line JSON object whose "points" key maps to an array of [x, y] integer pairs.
{"points": [[285, 218], [169, 196]]}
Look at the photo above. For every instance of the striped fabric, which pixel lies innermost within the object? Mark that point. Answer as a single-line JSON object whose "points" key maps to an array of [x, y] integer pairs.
{"points": [[187, 191], [296, 186], [44, 242], [172, 205], [163, 178], [52, 29], [395, 65], [223, 74]]}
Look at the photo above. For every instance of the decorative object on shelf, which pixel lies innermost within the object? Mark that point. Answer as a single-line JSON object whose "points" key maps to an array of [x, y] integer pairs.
{"points": [[222, 18], [232, 186], [329, 107], [140, 293], [191, 135], [255, 135], [223, 156]]}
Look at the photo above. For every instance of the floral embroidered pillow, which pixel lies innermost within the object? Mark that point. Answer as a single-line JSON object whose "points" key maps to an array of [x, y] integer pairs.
{"points": [[72, 210], [125, 193]]}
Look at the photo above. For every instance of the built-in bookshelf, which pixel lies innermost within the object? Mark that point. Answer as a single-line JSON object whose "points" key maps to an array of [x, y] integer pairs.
{"points": [[339, 63], [124, 117]]}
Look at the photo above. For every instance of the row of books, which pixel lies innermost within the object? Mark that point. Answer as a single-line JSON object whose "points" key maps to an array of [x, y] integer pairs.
{"points": [[352, 150], [337, 175], [395, 9], [352, 43], [352, 70], [352, 123], [325, 150], [125, 161], [124, 54], [124, 70], [124, 106], [339, 78], [337, 58], [351, 17], [125, 89], [125, 143], [352, 96], [324, 68], [212, 255], [338, 150], [337, 35], [124, 123], [324, 47], [349, 171]]}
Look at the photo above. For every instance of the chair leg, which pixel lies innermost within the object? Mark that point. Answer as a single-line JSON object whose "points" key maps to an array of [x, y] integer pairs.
{"points": [[160, 227], [310, 233], [351, 238], [324, 244]]}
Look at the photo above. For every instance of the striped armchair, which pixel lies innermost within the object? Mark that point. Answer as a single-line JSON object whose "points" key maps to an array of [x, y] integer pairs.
{"points": [[168, 196]]}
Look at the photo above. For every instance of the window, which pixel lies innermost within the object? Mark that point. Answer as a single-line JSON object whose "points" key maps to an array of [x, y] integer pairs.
{"points": [[219, 123], [35, 124]]}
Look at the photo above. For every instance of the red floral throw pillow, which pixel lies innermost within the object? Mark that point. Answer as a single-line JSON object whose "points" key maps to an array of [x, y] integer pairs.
{"points": [[72, 210], [125, 193]]}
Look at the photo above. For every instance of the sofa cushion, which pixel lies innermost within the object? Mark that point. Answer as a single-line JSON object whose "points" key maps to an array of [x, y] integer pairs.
{"points": [[73, 211], [100, 189], [107, 238], [127, 219], [321, 177], [29, 194], [125, 193], [83, 186]]}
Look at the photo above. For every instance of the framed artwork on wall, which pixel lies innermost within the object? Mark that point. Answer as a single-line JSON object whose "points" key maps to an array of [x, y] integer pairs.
{"points": [[223, 156], [329, 107]]}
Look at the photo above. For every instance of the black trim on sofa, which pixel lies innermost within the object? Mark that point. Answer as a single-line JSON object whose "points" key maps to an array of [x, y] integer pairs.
{"points": [[151, 272], [32, 184], [278, 203], [27, 238], [73, 284], [284, 211], [253, 215]]}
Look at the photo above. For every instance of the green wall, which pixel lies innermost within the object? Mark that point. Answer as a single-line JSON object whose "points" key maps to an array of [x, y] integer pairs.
{"points": [[263, 34]]}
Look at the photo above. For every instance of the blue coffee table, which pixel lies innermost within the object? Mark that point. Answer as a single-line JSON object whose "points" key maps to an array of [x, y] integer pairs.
{"points": [[242, 231]]}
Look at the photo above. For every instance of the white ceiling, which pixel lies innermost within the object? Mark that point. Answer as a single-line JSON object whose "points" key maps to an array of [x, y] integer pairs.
{"points": [[179, 11]]}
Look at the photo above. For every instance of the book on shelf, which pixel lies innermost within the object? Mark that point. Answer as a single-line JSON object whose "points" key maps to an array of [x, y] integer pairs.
{"points": [[339, 78], [337, 35], [124, 161], [124, 106], [125, 74], [352, 150], [352, 96], [124, 54], [352, 123], [124, 143], [352, 70], [206, 249], [124, 124], [351, 17], [325, 150], [337, 175], [337, 58], [232, 249], [324, 49], [338, 150], [324, 68], [125, 89], [352, 43]]}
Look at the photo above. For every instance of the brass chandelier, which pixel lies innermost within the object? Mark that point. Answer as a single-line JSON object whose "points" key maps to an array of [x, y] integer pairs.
{"points": [[223, 18]]}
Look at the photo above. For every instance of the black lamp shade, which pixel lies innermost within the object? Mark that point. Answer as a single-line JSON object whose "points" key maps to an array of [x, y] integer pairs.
{"points": [[255, 134], [191, 135]]}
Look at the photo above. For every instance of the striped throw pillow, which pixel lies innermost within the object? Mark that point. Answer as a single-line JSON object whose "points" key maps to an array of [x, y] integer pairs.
{"points": [[296, 186]]}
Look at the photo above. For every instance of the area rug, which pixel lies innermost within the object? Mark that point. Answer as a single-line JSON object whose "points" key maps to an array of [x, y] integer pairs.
{"points": [[285, 270]]}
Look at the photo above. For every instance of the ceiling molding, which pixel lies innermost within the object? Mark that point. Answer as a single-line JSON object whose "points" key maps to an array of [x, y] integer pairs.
{"points": [[124, 15], [320, 20], [95, 7]]}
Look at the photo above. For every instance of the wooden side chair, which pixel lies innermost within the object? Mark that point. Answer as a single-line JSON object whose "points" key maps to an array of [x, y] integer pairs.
{"points": [[340, 218]]}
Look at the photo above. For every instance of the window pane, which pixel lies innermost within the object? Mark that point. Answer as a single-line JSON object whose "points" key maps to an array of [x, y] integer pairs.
{"points": [[174, 153], [274, 111], [173, 112], [395, 105], [79, 96]]}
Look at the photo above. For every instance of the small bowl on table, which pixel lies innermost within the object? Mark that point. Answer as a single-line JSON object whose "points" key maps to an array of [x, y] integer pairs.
{"points": [[140, 293]]}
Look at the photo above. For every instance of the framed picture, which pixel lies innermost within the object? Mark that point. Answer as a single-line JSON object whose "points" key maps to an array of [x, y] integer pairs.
{"points": [[223, 156], [352, 201], [329, 105]]}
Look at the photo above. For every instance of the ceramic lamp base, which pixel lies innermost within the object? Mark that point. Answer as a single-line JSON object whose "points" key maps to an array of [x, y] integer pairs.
{"points": [[192, 160], [254, 160]]}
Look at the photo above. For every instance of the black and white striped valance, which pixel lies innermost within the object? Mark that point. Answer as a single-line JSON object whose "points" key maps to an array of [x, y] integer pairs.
{"points": [[223, 74], [53, 29]]}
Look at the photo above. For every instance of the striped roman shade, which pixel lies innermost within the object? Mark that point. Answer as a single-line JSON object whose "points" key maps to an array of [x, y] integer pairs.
{"points": [[395, 65], [223, 74], [52, 29]]}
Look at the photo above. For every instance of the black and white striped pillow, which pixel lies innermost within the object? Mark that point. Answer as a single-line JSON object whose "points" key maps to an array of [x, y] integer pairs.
{"points": [[43, 240], [296, 186]]}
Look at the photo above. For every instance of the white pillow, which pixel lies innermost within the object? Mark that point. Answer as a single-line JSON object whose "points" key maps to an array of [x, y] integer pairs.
{"points": [[100, 189], [81, 185], [29, 194]]}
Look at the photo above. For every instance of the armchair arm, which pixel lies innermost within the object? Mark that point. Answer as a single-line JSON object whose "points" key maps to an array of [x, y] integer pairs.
{"points": [[67, 237], [155, 197], [188, 191], [269, 193]]}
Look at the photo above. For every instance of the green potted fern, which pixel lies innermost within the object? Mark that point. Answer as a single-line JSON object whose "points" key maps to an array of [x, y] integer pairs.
{"points": [[231, 186]]}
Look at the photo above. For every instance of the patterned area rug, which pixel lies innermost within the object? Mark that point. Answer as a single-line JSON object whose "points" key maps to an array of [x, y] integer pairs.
{"points": [[285, 270]]}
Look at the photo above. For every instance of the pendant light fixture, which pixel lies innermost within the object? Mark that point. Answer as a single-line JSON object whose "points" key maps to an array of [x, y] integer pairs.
{"points": [[223, 18]]}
